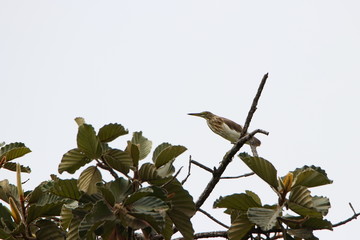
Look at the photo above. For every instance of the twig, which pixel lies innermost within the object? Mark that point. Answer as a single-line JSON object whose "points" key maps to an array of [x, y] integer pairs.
{"points": [[258, 131], [254, 105], [172, 179], [240, 176], [222, 234], [349, 219], [202, 166], [105, 166], [212, 218], [229, 155], [352, 208], [189, 172]]}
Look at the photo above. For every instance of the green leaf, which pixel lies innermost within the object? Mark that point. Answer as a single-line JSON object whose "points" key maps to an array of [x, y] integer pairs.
{"points": [[183, 207], [159, 149], [143, 192], [254, 196], [66, 188], [239, 228], [49, 231], [301, 196], [180, 198], [111, 131], [143, 143], [107, 194], [88, 142], [49, 199], [88, 179], [321, 204], [304, 211], [182, 223], [148, 172], [301, 233], [42, 196], [73, 231], [133, 150], [118, 160], [12, 167], [79, 213], [100, 213], [317, 223], [72, 161], [6, 220], [66, 215], [13, 150], [153, 207], [8, 190], [120, 188], [44, 210], [301, 202], [310, 177], [166, 170], [261, 167], [167, 231], [240, 201], [165, 153], [265, 218]]}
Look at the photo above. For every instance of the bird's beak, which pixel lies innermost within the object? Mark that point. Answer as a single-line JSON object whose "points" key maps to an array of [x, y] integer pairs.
{"points": [[195, 114]]}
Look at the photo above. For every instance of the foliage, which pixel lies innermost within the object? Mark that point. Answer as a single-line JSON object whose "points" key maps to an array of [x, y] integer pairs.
{"points": [[146, 197], [248, 215]]}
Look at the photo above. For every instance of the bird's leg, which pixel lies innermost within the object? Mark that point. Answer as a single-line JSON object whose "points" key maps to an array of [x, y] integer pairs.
{"points": [[254, 151]]}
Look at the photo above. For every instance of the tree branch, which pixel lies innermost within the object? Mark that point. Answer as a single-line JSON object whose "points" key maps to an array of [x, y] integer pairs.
{"points": [[202, 166], [240, 176], [222, 234], [254, 105], [105, 166], [212, 218], [172, 179], [349, 219], [229, 155], [189, 172]]}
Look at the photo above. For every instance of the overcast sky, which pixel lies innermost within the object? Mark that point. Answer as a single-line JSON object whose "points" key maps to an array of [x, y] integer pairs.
{"points": [[146, 64]]}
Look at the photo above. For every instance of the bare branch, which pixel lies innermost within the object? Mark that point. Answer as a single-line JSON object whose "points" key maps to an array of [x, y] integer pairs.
{"points": [[202, 166], [254, 105], [189, 172], [349, 219], [212, 218], [240, 176], [352, 208], [258, 131], [222, 234], [172, 179], [229, 155]]}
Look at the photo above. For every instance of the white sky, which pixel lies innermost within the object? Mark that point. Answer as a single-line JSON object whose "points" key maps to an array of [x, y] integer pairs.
{"points": [[146, 64]]}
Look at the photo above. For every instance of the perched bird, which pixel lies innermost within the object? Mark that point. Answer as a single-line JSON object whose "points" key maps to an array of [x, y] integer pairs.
{"points": [[227, 129]]}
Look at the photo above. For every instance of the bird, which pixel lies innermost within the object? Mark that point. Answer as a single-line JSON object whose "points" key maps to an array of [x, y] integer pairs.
{"points": [[227, 129]]}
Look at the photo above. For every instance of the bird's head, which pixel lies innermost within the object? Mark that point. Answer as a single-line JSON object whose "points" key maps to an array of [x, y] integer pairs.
{"points": [[206, 114]]}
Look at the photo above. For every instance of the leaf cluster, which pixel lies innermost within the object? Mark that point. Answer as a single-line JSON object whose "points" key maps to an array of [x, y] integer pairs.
{"points": [[249, 215], [145, 196], [142, 196]]}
